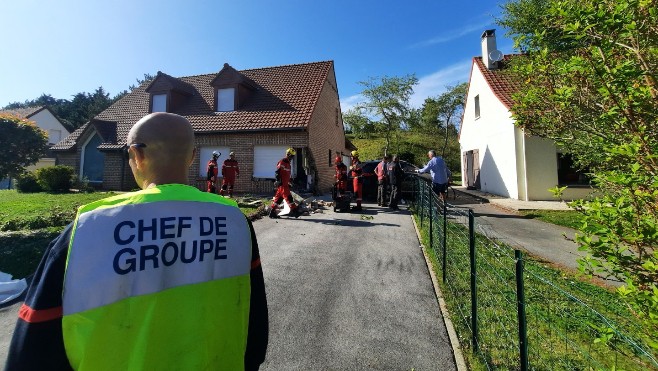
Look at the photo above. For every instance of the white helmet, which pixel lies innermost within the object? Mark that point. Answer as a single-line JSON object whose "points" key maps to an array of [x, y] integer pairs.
{"points": [[215, 154]]}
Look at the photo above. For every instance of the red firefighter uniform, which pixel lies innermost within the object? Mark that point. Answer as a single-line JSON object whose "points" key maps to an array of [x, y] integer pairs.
{"points": [[341, 175], [211, 171], [230, 171], [283, 173], [357, 181]]}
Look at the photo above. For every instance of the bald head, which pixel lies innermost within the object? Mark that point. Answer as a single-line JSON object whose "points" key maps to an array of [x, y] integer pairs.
{"points": [[169, 149]]}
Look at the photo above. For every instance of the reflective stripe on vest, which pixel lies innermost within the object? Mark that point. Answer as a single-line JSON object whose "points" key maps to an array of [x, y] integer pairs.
{"points": [[158, 279]]}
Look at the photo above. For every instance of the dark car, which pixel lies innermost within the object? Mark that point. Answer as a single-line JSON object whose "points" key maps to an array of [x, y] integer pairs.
{"points": [[370, 178]]}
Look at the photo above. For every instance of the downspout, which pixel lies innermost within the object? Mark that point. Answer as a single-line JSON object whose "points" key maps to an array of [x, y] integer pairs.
{"points": [[524, 170], [123, 168]]}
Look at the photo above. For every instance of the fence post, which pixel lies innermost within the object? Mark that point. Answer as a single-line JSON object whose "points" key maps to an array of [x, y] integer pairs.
{"points": [[431, 216], [421, 186], [474, 313], [520, 300], [445, 238]]}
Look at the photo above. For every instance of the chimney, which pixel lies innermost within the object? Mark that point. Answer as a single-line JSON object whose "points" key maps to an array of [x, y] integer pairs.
{"points": [[490, 55]]}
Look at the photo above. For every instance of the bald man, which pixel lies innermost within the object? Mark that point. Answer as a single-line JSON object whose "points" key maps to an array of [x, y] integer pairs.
{"points": [[168, 277]]}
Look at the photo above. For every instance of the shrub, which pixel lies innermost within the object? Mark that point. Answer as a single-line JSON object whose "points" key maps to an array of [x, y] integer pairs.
{"points": [[27, 183], [55, 179]]}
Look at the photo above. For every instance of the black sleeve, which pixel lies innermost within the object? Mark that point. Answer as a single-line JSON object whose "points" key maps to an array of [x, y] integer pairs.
{"points": [[257, 337], [37, 343]]}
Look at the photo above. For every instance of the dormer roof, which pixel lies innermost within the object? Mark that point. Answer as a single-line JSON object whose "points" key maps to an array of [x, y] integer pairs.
{"points": [[164, 82], [229, 76]]}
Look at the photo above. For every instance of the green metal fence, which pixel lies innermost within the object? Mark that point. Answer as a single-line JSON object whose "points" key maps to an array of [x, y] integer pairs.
{"points": [[511, 312]]}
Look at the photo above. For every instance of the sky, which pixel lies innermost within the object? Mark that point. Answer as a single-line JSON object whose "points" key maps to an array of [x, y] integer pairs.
{"points": [[65, 47]]}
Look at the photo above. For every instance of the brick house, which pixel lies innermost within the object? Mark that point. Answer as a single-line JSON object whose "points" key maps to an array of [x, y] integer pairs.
{"points": [[256, 113]]}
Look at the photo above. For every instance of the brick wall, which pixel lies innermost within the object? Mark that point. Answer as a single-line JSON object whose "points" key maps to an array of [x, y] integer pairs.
{"points": [[326, 133], [117, 174], [243, 145]]}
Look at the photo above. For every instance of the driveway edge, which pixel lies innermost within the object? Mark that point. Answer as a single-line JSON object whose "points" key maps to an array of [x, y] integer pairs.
{"points": [[452, 334]]}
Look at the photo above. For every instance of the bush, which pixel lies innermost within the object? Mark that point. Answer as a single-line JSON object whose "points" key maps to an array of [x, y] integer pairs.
{"points": [[83, 185], [27, 183], [55, 179]]}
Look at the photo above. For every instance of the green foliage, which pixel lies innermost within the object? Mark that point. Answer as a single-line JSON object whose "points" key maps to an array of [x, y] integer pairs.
{"points": [[22, 143], [589, 82], [27, 183], [386, 107], [55, 179]]}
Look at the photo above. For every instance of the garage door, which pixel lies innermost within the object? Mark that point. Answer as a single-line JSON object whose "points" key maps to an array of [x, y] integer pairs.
{"points": [[206, 155], [266, 158]]}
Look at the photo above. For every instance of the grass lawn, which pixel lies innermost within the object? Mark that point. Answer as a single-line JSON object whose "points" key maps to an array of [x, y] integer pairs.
{"points": [[565, 316], [29, 221], [571, 219]]}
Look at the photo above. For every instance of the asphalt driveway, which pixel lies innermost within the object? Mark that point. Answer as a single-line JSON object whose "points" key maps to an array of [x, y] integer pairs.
{"points": [[350, 291]]}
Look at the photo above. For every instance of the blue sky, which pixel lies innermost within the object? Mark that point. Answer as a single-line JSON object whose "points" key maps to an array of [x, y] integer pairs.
{"points": [[69, 46]]}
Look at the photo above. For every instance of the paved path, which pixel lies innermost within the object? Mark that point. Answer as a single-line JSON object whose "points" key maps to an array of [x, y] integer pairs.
{"points": [[350, 292], [498, 218]]}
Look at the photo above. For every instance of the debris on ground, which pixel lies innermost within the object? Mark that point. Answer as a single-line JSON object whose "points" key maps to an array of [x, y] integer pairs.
{"points": [[308, 205]]}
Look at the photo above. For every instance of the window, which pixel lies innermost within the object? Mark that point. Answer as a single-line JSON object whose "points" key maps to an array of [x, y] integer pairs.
{"points": [[568, 173], [92, 160], [266, 158], [205, 155], [159, 103], [477, 106], [225, 100]]}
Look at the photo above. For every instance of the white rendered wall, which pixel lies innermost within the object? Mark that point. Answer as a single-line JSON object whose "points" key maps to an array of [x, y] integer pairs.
{"points": [[46, 121], [541, 168], [493, 135]]}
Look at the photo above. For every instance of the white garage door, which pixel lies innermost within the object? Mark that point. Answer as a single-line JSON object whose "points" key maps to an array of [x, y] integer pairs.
{"points": [[206, 155], [266, 158]]}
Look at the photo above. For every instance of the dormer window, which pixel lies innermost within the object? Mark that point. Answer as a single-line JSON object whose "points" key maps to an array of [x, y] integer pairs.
{"points": [[226, 100], [159, 103]]}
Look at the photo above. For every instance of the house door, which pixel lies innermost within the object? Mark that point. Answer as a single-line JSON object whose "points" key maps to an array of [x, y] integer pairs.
{"points": [[472, 170], [93, 160]]}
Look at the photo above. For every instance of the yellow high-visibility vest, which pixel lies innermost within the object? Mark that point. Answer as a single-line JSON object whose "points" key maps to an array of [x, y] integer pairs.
{"points": [[158, 280]]}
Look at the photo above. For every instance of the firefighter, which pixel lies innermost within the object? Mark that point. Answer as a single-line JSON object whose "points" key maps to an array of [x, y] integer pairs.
{"points": [[211, 173], [282, 184], [341, 177], [230, 171], [357, 179], [382, 180]]}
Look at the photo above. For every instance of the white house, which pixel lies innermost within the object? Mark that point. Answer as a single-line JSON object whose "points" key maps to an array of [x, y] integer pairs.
{"points": [[497, 156], [47, 121]]}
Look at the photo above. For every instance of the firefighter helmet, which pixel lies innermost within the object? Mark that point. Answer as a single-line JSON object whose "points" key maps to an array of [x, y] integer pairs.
{"points": [[291, 152], [215, 154], [338, 160], [355, 153]]}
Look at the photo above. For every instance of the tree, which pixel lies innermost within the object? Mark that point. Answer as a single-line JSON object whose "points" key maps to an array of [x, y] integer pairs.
{"points": [[387, 102], [589, 82], [358, 124], [441, 114], [22, 143]]}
